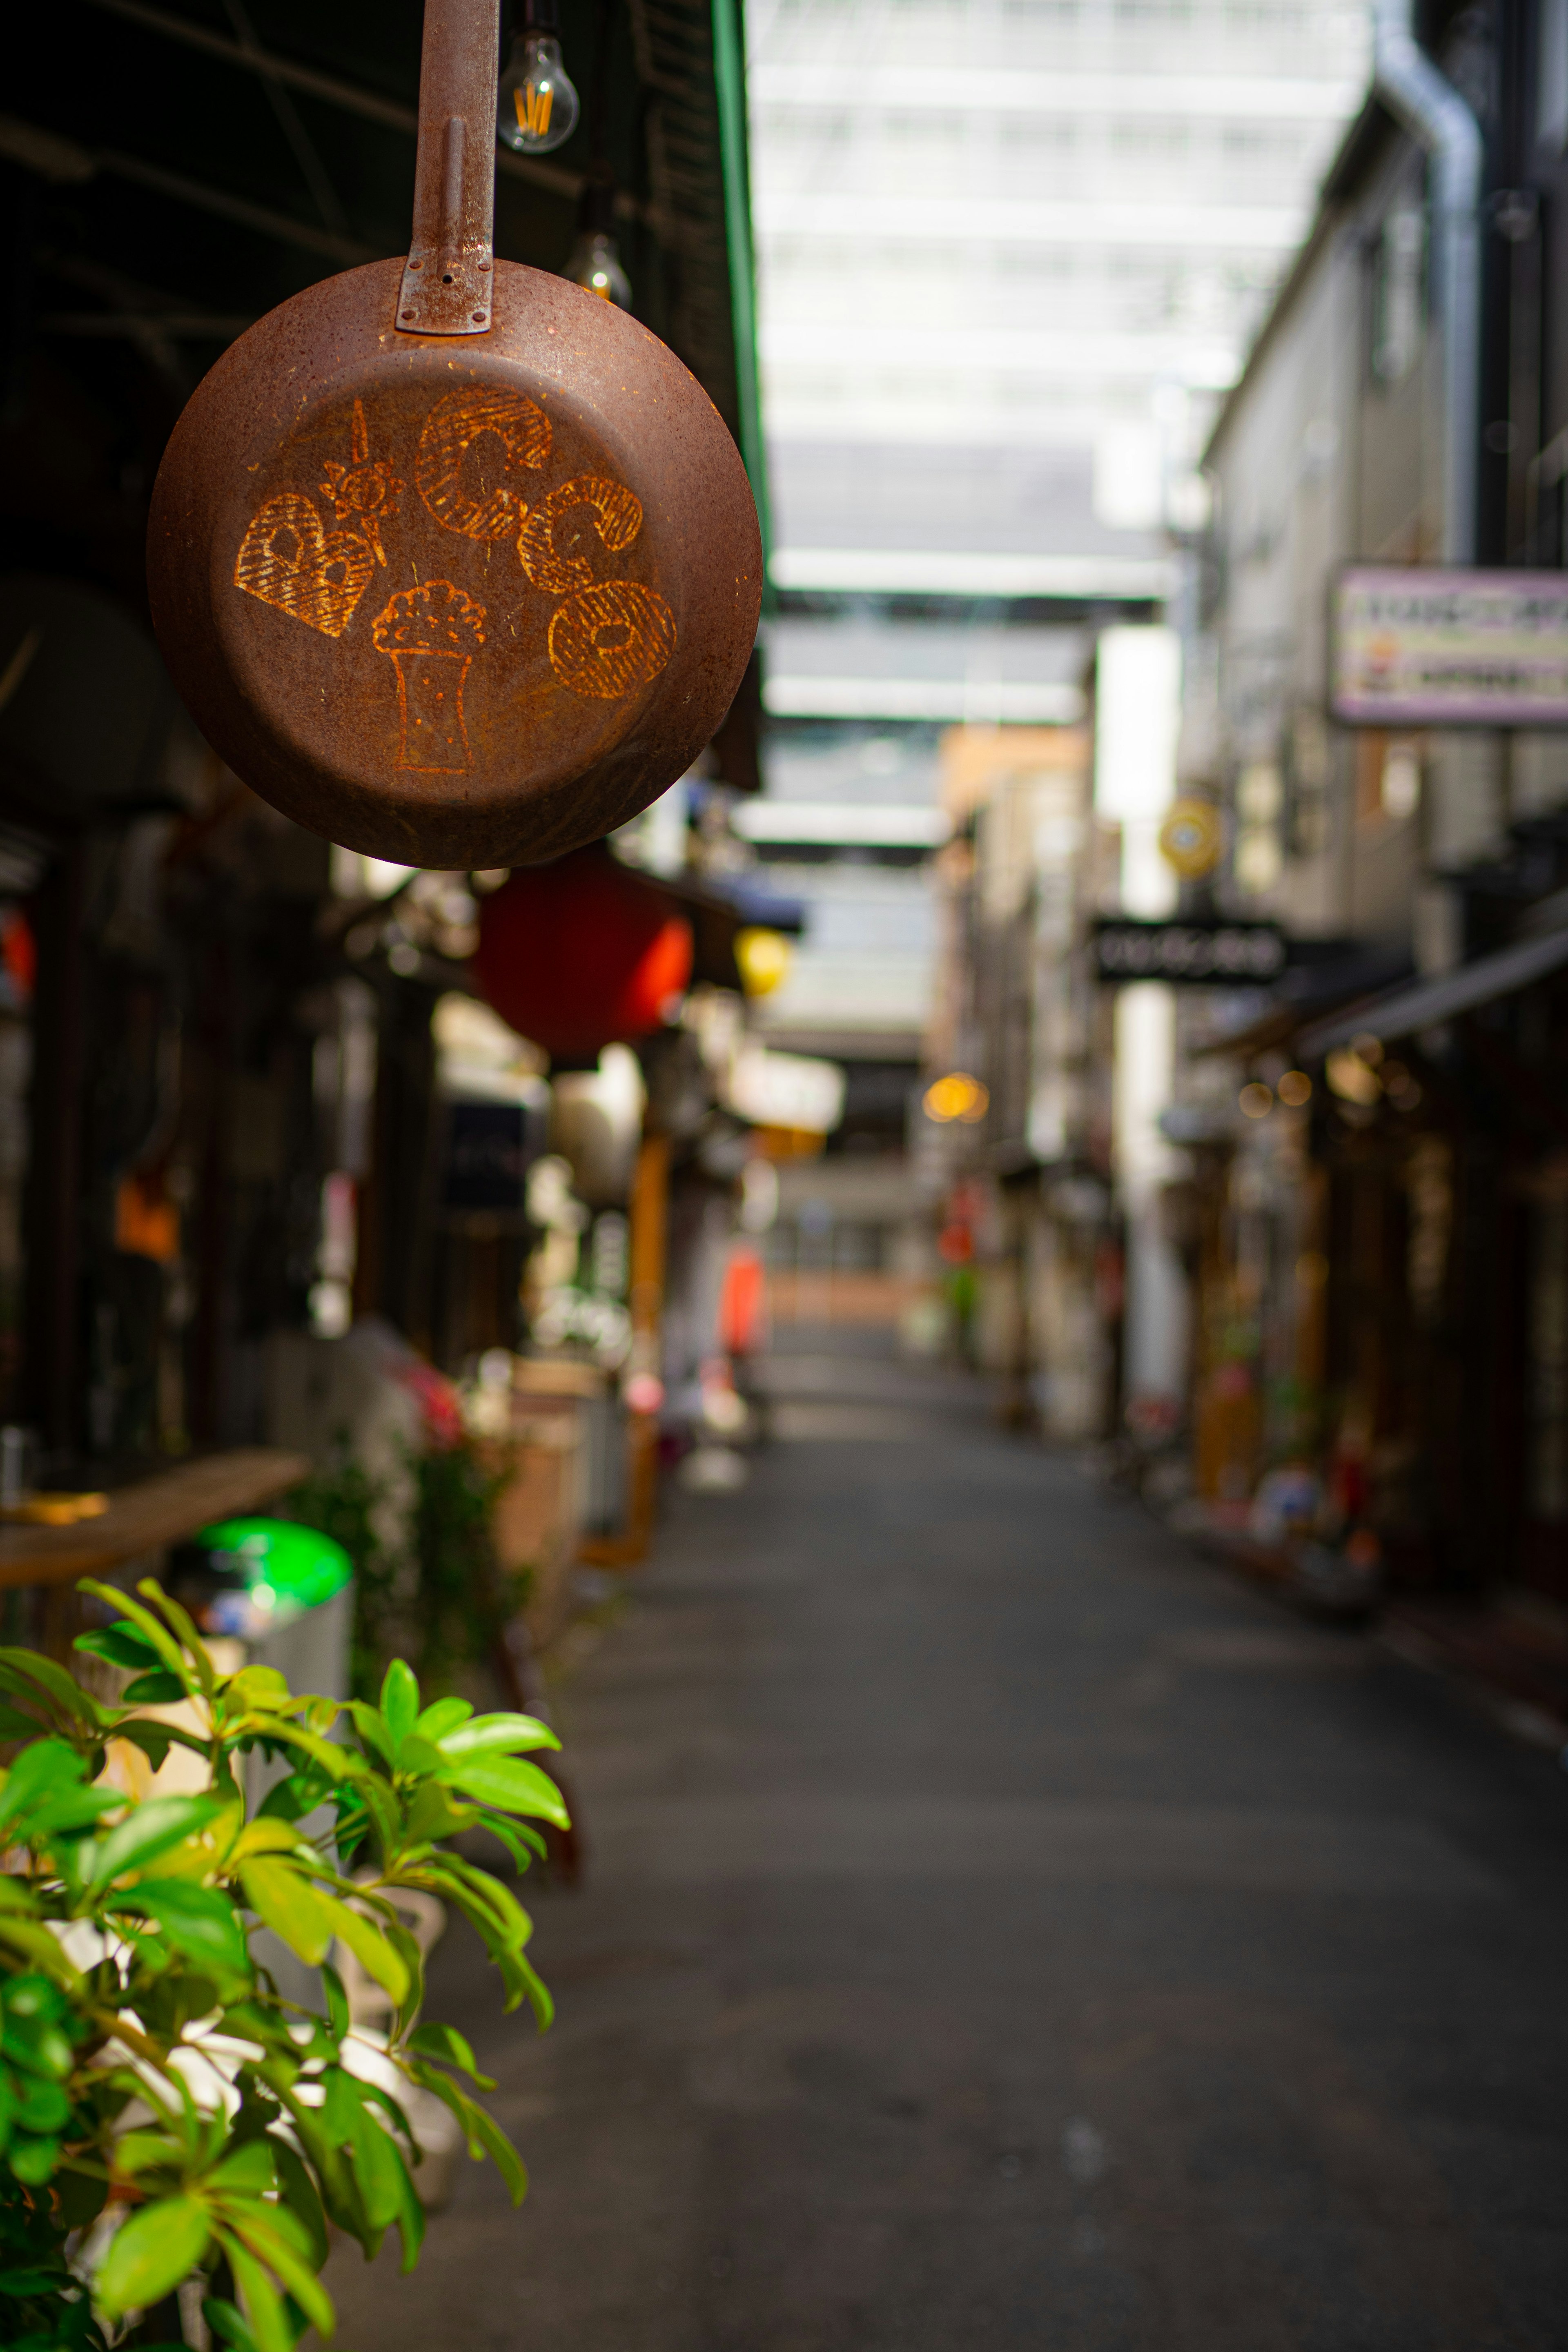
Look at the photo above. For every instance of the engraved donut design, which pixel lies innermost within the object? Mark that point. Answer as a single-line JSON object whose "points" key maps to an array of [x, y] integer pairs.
{"points": [[452, 426], [617, 518], [607, 639], [290, 560]]}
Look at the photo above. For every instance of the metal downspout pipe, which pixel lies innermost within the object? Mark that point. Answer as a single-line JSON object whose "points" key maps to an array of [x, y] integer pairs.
{"points": [[1439, 120]]}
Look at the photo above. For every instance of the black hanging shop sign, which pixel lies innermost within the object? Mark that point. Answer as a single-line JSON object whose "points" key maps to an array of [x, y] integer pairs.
{"points": [[1192, 954], [491, 1146]]}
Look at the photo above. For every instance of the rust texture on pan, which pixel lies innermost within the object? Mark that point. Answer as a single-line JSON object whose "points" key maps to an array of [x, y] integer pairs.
{"points": [[463, 592]]}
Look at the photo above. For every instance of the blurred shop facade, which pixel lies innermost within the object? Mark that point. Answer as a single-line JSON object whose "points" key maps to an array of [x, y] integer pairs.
{"points": [[1314, 933], [286, 1134]]}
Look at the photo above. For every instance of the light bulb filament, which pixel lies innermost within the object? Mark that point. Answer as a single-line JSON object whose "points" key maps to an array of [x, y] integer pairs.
{"points": [[534, 101]]}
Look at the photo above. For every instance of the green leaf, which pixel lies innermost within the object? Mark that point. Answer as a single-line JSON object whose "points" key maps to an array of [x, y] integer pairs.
{"points": [[370, 1948], [512, 1784], [154, 1740], [261, 1687], [337, 1763], [69, 1810], [383, 2177], [197, 1920], [444, 1716], [188, 1642], [33, 2160], [298, 1793], [417, 1754], [483, 2135], [159, 1688], [434, 2040], [158, 1639], [268, 2231], [226, 2325], [118, 1645], [268, 2321], [23, 1671], [17, 1726], [34, 1940], [45, 1770], [299, 2194], [434, 1811], [523, 1844], [537, 1991], [40, 2105], [504, 1733], [338, 2020], [335, 2175], [372, 1729], [150, 2254], [149, 1829], [370, 1794], [248, 2171], [399, 1701], [35, 2282], [286, 1902], [143, 2151]]}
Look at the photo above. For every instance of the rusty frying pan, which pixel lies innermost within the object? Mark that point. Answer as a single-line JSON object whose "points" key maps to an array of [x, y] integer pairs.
{"points": [[451, 560]]}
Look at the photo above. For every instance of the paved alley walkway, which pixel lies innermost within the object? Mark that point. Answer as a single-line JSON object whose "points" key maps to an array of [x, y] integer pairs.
{"points": [[1003, 1931]]}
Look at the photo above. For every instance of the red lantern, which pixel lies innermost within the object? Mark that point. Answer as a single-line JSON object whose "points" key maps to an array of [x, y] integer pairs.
{"points": [[581, 954]]}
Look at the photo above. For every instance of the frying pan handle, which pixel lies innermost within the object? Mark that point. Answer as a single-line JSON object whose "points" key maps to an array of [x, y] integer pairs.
{"points": [[448, 280]]}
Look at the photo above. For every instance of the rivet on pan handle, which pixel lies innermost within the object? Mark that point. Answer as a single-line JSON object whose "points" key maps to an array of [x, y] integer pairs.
{"points": [[449, 283]]}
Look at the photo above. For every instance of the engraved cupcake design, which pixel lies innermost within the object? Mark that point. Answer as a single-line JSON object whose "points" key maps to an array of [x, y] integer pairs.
{"points": [[431, 633]]}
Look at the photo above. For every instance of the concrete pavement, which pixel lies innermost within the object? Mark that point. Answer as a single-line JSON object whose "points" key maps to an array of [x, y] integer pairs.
{"points": [[1001, 1931]]}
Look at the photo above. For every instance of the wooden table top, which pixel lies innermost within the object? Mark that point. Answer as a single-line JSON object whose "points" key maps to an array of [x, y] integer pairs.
{"points": [[153, 1512]]}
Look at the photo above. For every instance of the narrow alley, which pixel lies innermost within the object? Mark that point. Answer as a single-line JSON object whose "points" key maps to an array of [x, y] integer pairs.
{"points": [[1001, 1929]]}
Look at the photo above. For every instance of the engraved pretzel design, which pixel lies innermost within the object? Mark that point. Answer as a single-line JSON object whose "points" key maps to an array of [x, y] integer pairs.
{"points": [[290, 560], [605, 639]]}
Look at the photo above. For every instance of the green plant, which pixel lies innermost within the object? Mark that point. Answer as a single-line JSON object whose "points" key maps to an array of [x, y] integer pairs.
{"points": [[442, 1593], [462, 1598], [148, 2064], [345, 1502]]}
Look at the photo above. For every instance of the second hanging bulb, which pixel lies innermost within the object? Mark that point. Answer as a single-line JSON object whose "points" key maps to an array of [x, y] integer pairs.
{"points": [[538, 107]]}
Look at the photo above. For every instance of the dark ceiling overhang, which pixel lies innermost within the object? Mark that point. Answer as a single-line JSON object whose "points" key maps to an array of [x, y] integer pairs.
{"points": [[171, 169], [224, 156]]}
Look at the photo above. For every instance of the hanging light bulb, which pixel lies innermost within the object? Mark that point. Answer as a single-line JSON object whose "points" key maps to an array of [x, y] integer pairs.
{"points": [[594, 260], [538, 107]]}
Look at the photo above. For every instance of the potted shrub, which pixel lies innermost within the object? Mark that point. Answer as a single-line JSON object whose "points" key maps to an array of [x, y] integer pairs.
{"points": [[175, 2135]]}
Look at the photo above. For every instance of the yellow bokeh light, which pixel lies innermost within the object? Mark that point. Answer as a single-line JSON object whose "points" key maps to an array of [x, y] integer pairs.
{"points": [[1352, 1078], [763, 958], [1257, 1100], [1295, 1088], [1192, 838], [957, 1096]]}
